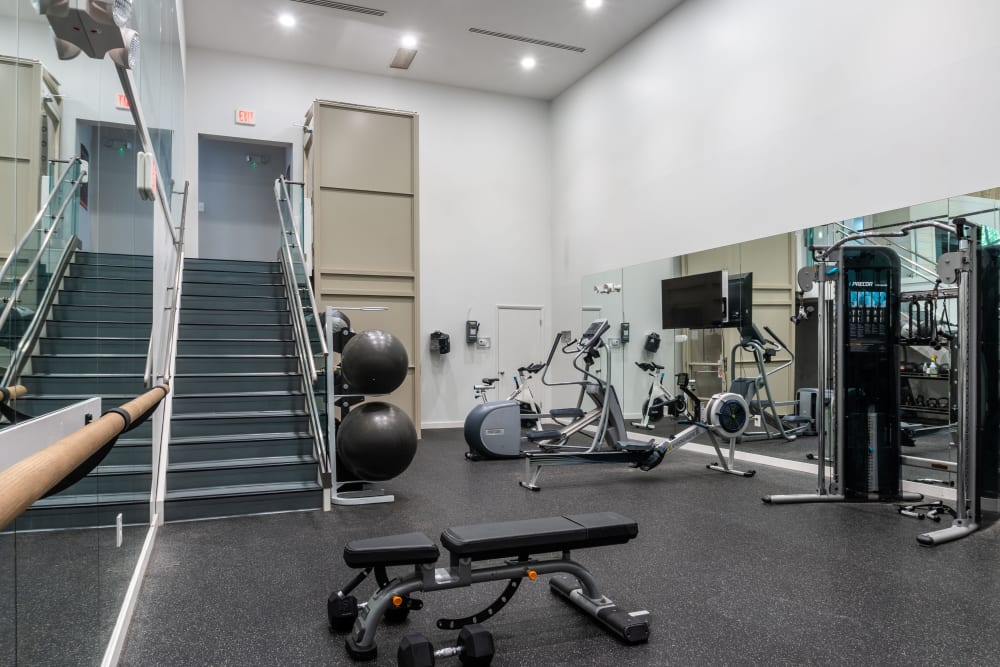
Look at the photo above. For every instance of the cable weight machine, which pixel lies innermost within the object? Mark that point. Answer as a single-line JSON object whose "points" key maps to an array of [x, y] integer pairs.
{"points": [[858, 290]]}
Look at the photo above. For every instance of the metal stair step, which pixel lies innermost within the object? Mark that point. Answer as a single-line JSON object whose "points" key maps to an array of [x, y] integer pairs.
{"points": [[221, 346], [248, 402], [225, 290], [234, 383], [233, 302], [114, 285], [230, 265], [91, 345], [193, 450], [238, 331], [91, 270], [113, 479], [237, 363], [222, 277], [238, 423], [92, 385], [104, 313], [201, 503], [76, 329], [89, 363], [205, 316], [241, 472], [112, 259], [85, 511], [78, 298]]}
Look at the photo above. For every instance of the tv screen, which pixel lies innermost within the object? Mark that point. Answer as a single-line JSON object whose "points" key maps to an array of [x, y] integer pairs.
{"points": [[695, 302], [741, 303]]}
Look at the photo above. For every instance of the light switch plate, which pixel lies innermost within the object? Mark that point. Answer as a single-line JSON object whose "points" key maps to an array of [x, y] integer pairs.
{"points": [[484, 343]]}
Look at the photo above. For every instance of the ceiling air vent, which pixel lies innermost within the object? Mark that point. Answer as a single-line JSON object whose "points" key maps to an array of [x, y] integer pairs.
{"points": [[521, 38], [329, 4], [403, 59]]}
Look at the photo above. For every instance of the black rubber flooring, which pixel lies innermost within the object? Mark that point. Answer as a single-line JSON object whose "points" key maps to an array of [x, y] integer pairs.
{"points": [[60, 593], [728, 580]]}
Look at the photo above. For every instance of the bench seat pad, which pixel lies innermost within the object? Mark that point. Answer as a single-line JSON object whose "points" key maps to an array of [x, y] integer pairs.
{"points": [[531, 536], [406, 549]]}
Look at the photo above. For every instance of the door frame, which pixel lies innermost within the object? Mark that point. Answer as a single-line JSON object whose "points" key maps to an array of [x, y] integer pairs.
{"points": [[541, 317]]}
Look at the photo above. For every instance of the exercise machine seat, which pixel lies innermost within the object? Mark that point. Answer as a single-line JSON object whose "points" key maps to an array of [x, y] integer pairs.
{"points": [[530, 536], [406, 549]]}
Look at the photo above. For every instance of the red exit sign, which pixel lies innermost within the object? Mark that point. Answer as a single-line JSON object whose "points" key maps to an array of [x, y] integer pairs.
{"points": [[245, 117], [121, 101]]}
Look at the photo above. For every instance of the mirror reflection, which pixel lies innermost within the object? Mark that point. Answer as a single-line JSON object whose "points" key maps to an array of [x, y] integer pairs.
{"points": [[76, 242], [766, 350]]}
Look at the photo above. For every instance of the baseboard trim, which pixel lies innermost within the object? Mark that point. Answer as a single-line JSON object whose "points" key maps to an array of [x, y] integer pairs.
{"points": [[445, 424]]}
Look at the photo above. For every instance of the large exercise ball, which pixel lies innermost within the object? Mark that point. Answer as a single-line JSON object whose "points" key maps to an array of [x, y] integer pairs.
{"points": [[374, 362], [376, 441]]}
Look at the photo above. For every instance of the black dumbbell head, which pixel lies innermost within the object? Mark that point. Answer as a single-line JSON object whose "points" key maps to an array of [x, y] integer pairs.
{"points": [[342, 612], [415, 650], [476, 643]]}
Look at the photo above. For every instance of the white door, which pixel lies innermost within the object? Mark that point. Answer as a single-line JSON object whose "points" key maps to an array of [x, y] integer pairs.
{"points": [[519, 343]]}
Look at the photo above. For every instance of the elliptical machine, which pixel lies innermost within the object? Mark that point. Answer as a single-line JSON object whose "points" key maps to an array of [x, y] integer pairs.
{"points": [[762, 403], [492, 430], [726, 416]]}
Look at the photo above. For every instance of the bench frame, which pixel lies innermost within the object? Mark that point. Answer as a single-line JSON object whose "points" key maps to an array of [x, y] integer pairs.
{"points": [[579, 589]]}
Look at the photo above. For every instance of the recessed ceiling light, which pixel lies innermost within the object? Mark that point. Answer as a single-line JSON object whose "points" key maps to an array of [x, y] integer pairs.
{"points": [[593, 4], [409, 41], [528, 62], [287, 20]]}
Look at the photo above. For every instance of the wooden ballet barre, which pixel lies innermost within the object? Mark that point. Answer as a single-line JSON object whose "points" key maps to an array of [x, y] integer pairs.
{"points": [[30, 479]]}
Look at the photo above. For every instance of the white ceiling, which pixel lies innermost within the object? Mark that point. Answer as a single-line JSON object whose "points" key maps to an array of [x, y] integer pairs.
{"points": [[447, 53]]}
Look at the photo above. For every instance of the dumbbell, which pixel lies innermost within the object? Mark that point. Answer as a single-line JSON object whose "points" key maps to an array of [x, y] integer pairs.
{"points": [[474, 649], [342, 610]]}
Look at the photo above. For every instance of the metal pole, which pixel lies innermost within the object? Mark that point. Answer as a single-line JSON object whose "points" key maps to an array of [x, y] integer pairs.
{"points": [[821, 379]]}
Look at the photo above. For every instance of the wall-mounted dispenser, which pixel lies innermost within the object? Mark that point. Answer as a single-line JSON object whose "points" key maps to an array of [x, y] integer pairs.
{"points": [[471, 331], [440, 342]]}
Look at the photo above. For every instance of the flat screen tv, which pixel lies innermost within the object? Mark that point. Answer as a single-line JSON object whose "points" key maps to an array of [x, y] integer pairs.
{"points": [[741, 303], [695, 302]]}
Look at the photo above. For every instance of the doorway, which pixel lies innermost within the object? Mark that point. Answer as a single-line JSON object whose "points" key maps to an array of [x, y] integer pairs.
{"points": [[237, 217], [519, 343], [112, 217]]}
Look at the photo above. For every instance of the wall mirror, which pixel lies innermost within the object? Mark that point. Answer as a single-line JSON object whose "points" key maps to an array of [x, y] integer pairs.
{"points": [[784, 334], [68, 158]]}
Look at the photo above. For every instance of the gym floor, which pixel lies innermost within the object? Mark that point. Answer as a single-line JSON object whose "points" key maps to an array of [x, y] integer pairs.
{"points": [[727, 579]]}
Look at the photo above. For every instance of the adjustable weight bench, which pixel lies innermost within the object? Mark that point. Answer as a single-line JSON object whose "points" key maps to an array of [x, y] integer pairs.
{"points": [[518, 542]]}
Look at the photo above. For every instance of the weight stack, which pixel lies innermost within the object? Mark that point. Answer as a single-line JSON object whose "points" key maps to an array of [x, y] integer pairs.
{"points": [[868, 323]]}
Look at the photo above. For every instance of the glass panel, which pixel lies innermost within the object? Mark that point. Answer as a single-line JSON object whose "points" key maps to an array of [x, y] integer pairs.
{"points": [[62, 558]]}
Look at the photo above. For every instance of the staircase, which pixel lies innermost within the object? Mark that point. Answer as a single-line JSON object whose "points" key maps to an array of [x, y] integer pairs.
{"points": [[95, 344], [240, 440]]}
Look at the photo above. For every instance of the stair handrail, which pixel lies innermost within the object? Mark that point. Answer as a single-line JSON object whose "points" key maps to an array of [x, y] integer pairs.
{"points": [[38, 218], [302, 258], [31, 478], [303, 343], [173, 306], [916, 267], [20, 354]]}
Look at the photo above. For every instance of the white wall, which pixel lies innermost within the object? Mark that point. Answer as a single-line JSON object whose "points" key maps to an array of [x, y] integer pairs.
{"points": [[484, 192], [737, 119]]}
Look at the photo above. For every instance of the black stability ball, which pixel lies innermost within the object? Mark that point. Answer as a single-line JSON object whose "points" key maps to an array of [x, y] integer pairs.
{"points": [[374, 362], [376, 441]]}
